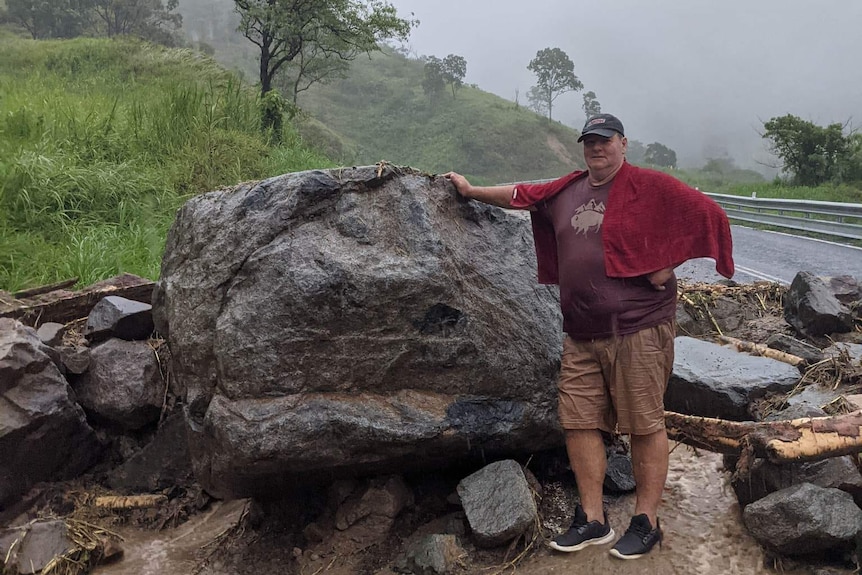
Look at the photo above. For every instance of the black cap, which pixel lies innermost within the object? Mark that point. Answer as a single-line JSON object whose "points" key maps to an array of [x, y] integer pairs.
{"points": [[604, 125]]}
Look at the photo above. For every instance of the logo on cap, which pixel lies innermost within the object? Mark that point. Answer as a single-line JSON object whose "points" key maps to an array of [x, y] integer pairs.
{"points": [[596, 121]]}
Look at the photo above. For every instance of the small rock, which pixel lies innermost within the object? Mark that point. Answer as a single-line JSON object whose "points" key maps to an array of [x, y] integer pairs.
{"points": [[498, 503], [119, 317], [432, 555], [51, 333], [619, 477], [793, 346]]}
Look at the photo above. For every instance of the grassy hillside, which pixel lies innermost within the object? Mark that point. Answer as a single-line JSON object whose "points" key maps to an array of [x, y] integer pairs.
{"points": [[380, 112], [101, 141]]}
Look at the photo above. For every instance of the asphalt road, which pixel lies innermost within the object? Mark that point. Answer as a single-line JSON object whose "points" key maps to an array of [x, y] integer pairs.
{"points": [[778, 257]]}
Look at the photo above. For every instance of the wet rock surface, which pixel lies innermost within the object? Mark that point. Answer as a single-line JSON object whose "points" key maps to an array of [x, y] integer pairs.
{"points": [[44, 434], [804, 519], [438, 343], [498, 503], [715, 381], [123, 384], [813, 308]]}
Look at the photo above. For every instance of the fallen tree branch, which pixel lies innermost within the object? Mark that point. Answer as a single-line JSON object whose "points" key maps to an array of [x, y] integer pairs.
{"points": [[805, 439], [62, 306], [759, 349], [130, 501]]}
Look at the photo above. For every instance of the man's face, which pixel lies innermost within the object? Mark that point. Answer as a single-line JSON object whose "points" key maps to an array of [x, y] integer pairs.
{"points": [[602, 154]]}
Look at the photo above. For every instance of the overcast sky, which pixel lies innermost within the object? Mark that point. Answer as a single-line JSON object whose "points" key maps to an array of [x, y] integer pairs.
{"points": [[697, 75]]}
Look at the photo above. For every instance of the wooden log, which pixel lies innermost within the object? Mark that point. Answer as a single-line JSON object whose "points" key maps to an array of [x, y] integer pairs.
{"points": [[130, 501], [759, 349], [45, 289], [805, 439], [62, 306]]}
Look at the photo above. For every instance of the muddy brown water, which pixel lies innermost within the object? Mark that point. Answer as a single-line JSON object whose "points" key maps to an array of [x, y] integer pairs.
{"points": [[704, 534]]}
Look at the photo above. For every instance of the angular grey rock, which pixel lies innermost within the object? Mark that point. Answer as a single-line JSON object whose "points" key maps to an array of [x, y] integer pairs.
{"points": [[37, 410], [119, 317], [356, 321], [837, 349], [385, 497], [435, 554], [123, 385], [619, 477], [812, 309], [787, 344], [163, 462], [846, 289], [50, 333], [498, 503], [33, 546], [804, 519], [711, 380], [74, 359]]}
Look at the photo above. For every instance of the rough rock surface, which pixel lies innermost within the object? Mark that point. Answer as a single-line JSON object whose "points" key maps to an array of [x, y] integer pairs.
{"points": [[436, 554], [30, 548], [813, 309], [804, 519], [163, 463], [353, 321], [716, 381], [123, 385], [498, 503], [119, 317], [37, 410]]}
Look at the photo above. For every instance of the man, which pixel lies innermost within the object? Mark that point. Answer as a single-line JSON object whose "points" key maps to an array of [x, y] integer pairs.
{"points": [[611, 237]]}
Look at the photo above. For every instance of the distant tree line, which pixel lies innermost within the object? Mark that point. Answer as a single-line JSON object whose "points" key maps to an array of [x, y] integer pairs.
{"points": [[812, 154], [153, 20]]}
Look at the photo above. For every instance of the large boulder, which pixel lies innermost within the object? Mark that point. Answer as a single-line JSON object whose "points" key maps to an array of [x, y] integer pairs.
{"points": [[812, 307], [711, 380], [354, 321], [43, 433]]}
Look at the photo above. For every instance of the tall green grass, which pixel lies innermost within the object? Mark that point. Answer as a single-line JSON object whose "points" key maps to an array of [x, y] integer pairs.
{"points": [[102, 141]]}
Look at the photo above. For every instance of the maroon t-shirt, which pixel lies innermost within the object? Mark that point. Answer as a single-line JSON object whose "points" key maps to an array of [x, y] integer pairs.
{"points": [[593, 304]]}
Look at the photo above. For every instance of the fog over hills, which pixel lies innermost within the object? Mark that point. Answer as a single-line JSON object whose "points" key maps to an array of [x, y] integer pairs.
{"points": [[697, 75]]}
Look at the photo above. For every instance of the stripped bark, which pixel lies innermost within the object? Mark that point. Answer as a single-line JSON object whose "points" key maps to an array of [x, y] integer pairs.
{"points": [[805, 439], [760, 349]]}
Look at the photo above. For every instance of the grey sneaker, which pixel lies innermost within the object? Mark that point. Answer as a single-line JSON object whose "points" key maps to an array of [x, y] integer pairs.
{"points": [[583, 533], [639, 538]]}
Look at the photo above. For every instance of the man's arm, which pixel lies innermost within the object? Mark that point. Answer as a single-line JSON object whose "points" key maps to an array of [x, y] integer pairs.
{"points": [[500, 196]]}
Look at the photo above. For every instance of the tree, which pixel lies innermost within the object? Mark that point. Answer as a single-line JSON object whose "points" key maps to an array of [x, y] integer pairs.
{"points": [[150, 19], [555, 73], [56, 19], [536, 101], [433, 83], [635, 151], [591, 105], [285, 30], [811, 153], [660, 155], [454, 69]]}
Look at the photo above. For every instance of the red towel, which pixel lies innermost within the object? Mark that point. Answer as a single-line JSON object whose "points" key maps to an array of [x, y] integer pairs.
{"points": [[652, 221]]}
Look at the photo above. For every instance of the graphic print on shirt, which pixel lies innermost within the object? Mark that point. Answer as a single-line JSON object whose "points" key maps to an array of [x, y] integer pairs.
{"points": [[589, 217]]}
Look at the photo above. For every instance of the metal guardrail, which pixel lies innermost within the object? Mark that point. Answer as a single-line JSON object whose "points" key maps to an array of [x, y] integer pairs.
{"points": [[835, 219]]}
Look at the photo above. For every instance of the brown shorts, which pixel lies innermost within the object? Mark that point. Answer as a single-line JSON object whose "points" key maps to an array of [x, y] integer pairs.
{"points": [[617, 383]]}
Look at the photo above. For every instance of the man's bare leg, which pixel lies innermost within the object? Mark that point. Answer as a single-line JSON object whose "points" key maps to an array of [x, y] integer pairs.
{"points": [[650, 462], [586, 451]]}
